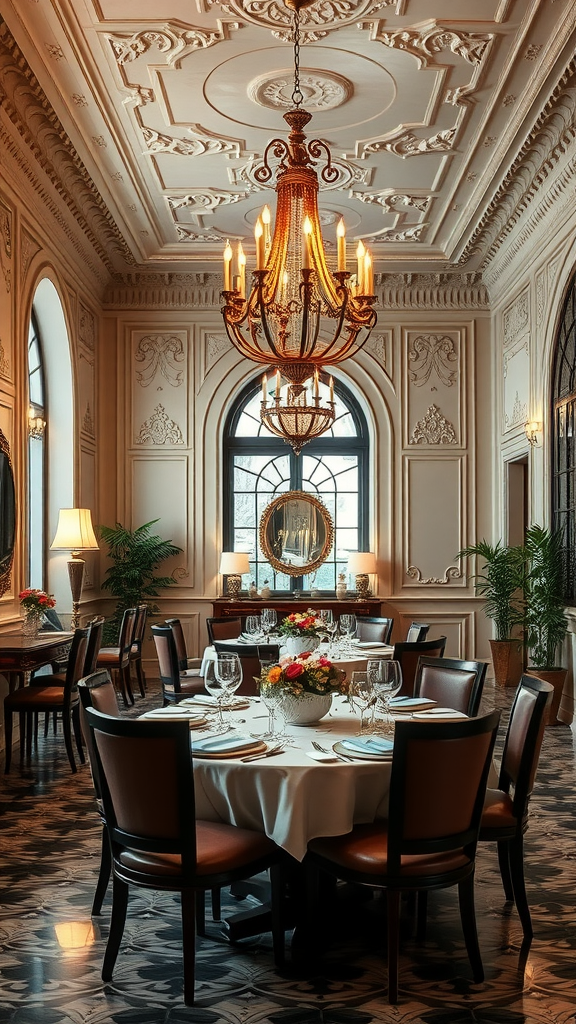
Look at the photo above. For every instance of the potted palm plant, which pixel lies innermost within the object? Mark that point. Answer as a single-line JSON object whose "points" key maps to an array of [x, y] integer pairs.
{"points": [[131, 578], [545, 624], [500, 584]]}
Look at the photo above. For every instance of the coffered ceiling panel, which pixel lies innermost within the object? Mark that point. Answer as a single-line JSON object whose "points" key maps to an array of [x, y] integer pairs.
{"points": [[171, 105]]}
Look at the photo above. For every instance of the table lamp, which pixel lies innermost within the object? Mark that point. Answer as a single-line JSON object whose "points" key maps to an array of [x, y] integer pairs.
{"points": [[233, 564], [75, 533], [362, 563]]}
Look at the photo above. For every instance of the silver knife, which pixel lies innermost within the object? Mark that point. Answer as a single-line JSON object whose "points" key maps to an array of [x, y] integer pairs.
{"points": [[266, 753]]}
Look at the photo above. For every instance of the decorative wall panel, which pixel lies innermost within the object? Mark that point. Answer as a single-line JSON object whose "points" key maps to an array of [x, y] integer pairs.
{"points": [[516, 375], [160, 491], [434, 377], [160, 388], [434, 520]]}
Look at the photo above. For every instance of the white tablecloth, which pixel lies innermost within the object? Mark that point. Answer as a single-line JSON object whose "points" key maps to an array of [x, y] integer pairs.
{"points": [[289, 796], [353, 660]]}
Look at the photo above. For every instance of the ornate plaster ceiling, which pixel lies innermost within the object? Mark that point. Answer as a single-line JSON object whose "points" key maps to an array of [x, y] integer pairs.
{"points": [[171, 105]]}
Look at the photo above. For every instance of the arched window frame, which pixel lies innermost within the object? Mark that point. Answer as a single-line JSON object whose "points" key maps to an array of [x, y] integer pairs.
{"points": [[36, 560], [563, 395], [357, 445]]}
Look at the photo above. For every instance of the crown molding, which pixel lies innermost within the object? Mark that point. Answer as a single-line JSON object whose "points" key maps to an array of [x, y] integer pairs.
{"points": [[29, 111], [166, 290], [537, 161]]}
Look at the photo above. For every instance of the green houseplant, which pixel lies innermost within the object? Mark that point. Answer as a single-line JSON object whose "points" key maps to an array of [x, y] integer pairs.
{"points": [[545, 624], [500, 583], [131, 579]]}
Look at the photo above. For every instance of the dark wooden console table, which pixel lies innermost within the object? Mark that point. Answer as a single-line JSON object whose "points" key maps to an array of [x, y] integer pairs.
{"points": [[224, 608], [20, 654]]}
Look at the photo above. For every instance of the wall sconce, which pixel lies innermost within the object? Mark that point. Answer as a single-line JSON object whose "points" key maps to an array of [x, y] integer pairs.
{"points": [[75, 533], [362, 563], [533, 431], [234, 564], [36, 424]]}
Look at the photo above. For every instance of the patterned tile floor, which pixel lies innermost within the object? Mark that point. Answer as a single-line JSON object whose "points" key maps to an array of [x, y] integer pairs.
{"points": [[50, 960]]}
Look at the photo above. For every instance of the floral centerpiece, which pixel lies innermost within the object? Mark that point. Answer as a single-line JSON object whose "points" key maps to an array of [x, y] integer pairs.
{"points": [[34, 603], [304, 631], [304, 685]]}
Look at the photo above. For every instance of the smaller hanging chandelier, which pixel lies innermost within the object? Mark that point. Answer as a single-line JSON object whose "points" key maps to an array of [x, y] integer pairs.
{"points": [[295, 421], [299, 315]]}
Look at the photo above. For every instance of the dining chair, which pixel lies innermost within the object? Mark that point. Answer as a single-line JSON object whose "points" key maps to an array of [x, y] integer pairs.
{"points": [[437, 787], [147, 785], [505, 814], [176, 684], [136, 647], [408, 654], [373, 627], [95, 629], [251, 655], [223, 629], [117, 659], [417, 631], [183, 660], [29, 701], [451, 683]]}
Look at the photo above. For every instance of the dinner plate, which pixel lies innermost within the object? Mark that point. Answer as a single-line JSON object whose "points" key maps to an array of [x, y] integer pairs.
{"points": [[408, 703], [201, 700], [437, 714], [227, 745], [340, 747], [195, 721]]}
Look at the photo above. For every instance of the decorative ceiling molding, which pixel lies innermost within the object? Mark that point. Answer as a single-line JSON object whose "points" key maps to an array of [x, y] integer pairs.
{"points": [[202, 143], [203, 291], [188, 233], [316, 22], [537, 159], [322, 90], [389, 200], [205, 200], [407, 144], [426, 43], [27, 106], [411, 234], [171, 39]]}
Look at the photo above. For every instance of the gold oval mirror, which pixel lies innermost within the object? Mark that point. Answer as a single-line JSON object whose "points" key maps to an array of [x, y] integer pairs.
{"points": [[296, 533]]}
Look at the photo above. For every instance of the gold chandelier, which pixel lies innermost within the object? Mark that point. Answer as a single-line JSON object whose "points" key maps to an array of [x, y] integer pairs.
{"points": [[299, 315]]}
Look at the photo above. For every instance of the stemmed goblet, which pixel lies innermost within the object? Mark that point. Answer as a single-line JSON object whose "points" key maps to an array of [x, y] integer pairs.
{"points": [[361, 697], [386, 679], [269, 618], [348, 625], [222, 679], [253, 627]]}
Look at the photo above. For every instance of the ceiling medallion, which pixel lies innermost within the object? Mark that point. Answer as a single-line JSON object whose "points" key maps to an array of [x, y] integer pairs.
{"points": [[299, 315], [321, 90]]}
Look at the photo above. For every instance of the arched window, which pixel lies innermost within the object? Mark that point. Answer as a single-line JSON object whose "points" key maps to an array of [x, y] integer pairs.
{"points": [[564, 427], [36, 459], [259, 466]]}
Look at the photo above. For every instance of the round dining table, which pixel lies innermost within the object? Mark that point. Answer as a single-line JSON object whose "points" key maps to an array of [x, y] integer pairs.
{"points": [[291, 796]]}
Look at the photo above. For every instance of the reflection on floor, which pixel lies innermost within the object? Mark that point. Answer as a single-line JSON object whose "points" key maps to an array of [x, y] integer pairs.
{"points": [[51, 953]]}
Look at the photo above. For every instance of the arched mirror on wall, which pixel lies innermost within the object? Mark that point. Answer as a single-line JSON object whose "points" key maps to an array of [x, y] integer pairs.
{"points": [[7, 515]]}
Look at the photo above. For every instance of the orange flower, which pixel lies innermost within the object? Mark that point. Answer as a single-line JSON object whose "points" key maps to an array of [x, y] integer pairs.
{"points": [[274, 674]]}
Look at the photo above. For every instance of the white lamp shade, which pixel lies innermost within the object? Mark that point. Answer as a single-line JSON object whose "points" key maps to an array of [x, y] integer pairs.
{"points": [[74, 531], [234, 563], [361, 562]]}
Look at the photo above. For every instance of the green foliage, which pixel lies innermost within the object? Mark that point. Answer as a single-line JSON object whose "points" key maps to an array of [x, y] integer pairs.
{"points": [[500, 583], [545, 624], [135, 555]]}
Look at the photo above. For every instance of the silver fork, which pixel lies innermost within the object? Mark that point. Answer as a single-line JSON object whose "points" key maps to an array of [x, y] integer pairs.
{"points": [[323, 750]]}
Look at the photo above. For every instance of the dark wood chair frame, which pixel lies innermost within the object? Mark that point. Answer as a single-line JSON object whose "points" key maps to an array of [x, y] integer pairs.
{"points": [[227, 631], [414, 651], [138, 634], [396, 881], [117, 659], [173, 740], [516, 779], [471, 706], [422, 627], [251, 656], [376, 620]]}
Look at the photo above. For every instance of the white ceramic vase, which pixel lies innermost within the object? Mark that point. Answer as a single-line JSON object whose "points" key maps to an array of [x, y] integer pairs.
{"points": [[296, 645], [305, 709]]}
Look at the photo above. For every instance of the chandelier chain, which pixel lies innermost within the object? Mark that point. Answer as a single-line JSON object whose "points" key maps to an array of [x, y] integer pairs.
{"points": [[297, 96]]}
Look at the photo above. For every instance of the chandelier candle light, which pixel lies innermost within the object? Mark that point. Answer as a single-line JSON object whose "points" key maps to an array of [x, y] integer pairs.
{"points": [[299, 315]]}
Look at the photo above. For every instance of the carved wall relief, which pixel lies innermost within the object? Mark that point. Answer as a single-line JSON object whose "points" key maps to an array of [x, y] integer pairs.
{"points": [[516, 374], [515, 319], [430, 353], [433, 428], [159, 395], [160, 429], [160, 353], [87, 328], [451, 573]]}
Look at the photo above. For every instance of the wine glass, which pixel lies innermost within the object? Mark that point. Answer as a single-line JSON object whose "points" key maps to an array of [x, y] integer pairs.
{"points": [[229, 674], [348, 626], [269, 620], [386, 678], [216, 689], [253, 627], [328, 621], [361, 697]]}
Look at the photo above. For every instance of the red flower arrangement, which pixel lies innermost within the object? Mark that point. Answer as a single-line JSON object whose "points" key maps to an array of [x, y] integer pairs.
{"points": [[305, 674], [36, 600]]}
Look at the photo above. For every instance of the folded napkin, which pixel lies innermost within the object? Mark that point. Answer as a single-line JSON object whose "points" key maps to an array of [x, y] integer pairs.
{"points": [[227, 745], [175, 714], [410, 702], [206, 700], [440, 713], [371, 645], [370, 745]]}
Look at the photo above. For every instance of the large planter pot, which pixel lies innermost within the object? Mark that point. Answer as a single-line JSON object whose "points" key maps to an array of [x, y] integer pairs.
{"points": [[556, 676], [296, 645], [507, 662], [305, 709]]}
